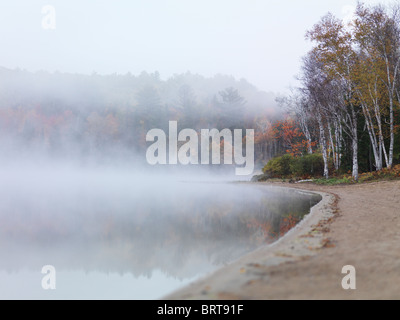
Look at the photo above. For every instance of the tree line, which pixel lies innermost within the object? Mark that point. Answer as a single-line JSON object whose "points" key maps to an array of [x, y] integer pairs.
{"points": [[108, 116], [347, 107]]}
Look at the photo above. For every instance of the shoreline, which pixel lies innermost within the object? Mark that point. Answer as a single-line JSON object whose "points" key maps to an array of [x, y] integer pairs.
{"points": [[301, 241], [355, 225]]}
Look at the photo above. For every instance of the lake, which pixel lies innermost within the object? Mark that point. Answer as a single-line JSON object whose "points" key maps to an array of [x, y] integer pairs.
{"points": [[127, 234]]}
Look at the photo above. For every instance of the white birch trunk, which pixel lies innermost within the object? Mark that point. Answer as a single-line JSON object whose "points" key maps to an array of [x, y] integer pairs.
{"points": [[322, 142], [372, 136], [354, 143]]}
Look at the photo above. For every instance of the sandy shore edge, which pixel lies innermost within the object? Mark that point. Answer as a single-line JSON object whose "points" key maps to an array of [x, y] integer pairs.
{"points": [[303, 241]]}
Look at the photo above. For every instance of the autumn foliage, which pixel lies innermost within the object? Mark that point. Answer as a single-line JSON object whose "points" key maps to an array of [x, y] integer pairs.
{"points": [[270, 231], [291, 136]]}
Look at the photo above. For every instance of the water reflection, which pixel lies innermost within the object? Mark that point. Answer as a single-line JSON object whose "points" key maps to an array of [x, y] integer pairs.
{"points": [[117, 224]]}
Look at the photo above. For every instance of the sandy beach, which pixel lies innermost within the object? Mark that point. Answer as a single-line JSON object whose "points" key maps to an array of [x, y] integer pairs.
{"points": [[356, 225]]}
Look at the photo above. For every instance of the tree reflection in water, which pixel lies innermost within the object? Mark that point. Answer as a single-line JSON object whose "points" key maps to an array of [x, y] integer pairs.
{"points": [[182, 229]]}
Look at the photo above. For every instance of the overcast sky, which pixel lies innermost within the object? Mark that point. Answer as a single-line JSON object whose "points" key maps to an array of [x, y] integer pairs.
{"points": [[259, 40]]}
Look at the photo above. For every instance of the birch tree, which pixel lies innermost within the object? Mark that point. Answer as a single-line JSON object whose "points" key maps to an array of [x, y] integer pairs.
{"points": [[377, 35], [371, 95], [314, 80], [334, 51]]}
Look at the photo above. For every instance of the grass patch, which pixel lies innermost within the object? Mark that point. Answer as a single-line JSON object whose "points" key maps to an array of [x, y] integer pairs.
{"points": [[382, 175], [345, 179], [335, 181]]}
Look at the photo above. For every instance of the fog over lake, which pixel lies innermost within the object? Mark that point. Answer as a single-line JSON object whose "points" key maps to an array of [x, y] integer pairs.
{"points": [[117, 232]]}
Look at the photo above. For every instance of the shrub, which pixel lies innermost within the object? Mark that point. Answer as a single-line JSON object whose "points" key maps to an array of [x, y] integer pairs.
{"points": [[280, 166], [310, 165]]}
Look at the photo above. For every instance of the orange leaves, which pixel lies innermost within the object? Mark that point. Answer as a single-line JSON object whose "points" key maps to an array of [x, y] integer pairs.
{"points": [[270, 231], [286, 129], [292, 137], [287, 223], [265, 229]]}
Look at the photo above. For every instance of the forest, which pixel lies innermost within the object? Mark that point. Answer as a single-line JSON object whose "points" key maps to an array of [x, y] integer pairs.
{"points": [[344, 118], [106, 117]]}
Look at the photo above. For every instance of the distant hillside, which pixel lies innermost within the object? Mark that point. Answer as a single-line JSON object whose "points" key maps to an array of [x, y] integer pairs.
{"points": [[74, 114]]}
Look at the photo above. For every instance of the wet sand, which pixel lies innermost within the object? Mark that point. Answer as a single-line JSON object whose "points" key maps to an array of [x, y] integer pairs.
{"points": [[355, 225]]}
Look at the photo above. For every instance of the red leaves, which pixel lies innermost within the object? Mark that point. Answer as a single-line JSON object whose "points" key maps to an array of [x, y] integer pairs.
{"points": [[290, 134]]}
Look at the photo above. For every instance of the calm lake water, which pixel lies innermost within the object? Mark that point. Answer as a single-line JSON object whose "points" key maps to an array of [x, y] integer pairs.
{"points": [[118, 234]]}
